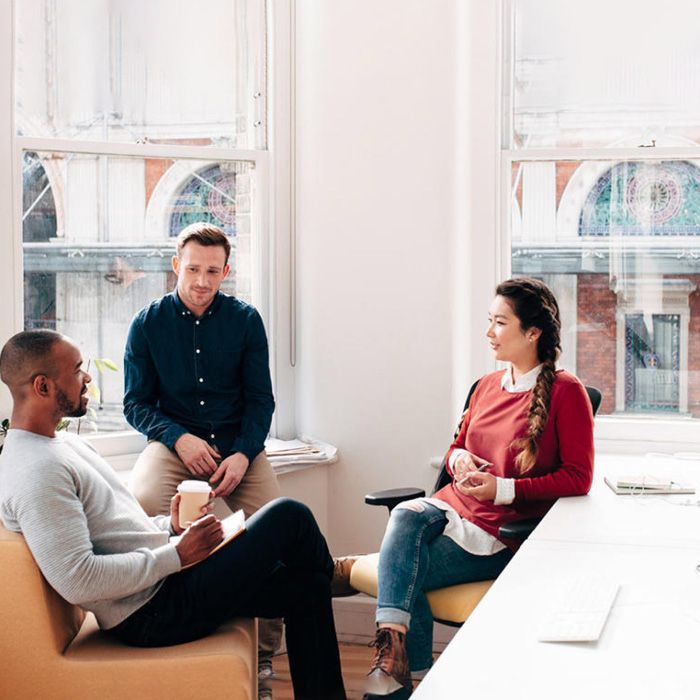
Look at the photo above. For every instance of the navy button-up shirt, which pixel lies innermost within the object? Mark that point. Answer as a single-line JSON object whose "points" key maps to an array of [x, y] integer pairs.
{"points": [[208, 376]]}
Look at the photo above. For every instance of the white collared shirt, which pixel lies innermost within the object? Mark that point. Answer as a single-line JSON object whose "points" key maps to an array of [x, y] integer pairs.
{"points": [[524, 382]]}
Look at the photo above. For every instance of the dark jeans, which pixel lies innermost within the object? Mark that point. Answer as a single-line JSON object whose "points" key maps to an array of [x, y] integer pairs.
{"points": [[280, 567]]}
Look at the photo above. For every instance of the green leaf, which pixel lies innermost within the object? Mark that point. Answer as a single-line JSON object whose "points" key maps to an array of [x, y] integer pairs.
{"points": [[104, 363]]}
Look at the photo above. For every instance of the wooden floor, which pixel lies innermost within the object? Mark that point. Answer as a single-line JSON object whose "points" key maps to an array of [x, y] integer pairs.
{"points": [[354, 658]]}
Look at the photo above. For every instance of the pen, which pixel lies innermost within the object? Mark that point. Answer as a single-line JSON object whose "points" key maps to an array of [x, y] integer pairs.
{"points": [[480, 468]]}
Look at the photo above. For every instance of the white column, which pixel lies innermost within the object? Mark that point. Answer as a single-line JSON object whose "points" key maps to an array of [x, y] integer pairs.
{"points": [[564, 288], [10, 262], [539, 202]]}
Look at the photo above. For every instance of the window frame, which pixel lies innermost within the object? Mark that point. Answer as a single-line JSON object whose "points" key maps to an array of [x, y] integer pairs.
{"points": [[621, 433], [273, 274]]}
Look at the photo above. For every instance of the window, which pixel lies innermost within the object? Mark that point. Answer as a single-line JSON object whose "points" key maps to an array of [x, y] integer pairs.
{"points": [[108, 252], [133, 120], [601, 144]]}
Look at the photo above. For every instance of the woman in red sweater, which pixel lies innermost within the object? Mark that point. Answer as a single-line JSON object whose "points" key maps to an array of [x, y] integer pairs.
{"points": [[525, 440]]}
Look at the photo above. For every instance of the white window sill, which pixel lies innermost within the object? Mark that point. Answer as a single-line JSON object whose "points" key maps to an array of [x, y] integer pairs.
{"points": [[123, 465], [641, 428], [282, 469], [118, 444], [121, 449]]}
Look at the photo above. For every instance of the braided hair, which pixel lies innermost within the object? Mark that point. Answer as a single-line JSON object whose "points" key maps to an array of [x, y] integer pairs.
{"points": [[535, 306]]}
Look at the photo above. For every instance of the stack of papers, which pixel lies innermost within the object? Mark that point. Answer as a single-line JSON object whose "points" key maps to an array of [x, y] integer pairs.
{"points": [[299, 451]]}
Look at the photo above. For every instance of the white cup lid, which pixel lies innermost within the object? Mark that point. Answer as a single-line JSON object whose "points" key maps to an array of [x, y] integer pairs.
{"points": [[192, 486]]}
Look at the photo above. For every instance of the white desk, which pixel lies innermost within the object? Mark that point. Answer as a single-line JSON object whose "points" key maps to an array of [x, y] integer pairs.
{"points": [[649, 647], [604, 517]]}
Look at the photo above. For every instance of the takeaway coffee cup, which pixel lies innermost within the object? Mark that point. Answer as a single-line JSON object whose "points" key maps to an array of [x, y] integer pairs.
{"points": [[194, 495]]}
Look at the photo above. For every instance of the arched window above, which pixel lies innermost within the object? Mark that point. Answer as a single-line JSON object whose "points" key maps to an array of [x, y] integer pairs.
{"points": [[644, 199], [38, 205], [208, 195]]}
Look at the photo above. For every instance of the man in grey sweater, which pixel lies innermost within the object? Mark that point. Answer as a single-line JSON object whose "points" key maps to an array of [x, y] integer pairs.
{"points": [[96, 546]]}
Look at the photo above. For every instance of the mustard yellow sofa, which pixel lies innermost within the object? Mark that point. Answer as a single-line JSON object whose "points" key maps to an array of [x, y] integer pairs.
{"points": [[52, 650]]}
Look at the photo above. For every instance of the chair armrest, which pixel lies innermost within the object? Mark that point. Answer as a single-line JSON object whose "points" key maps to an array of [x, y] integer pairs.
{"points": [[519, 530], [392, 497]]}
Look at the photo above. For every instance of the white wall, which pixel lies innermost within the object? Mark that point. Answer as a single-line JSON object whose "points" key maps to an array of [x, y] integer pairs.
{"points": [[391, 227]]}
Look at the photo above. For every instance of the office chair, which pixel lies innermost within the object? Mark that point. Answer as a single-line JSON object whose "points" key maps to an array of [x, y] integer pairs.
{"points": [[451, 605]]}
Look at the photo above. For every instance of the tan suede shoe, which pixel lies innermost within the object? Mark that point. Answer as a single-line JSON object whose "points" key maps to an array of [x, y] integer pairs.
{"points": [[340, 584]]}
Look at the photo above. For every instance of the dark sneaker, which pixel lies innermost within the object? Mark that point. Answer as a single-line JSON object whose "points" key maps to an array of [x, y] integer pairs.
{"points": [[340, 583], [265, 671], [389, 678]]}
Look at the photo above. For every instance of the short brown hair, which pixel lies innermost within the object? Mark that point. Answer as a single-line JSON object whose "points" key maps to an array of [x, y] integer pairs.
{"points": [[203, 233]]}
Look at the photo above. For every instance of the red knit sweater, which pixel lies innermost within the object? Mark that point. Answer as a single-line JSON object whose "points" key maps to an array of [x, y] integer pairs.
{"points": [[564, 466]]}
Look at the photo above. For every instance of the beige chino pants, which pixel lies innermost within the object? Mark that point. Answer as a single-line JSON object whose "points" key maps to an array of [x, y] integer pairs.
{"points": [[154, 479]]}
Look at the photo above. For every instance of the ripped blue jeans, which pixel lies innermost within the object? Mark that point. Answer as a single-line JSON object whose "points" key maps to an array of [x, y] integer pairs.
{"points": [[416, 557]]}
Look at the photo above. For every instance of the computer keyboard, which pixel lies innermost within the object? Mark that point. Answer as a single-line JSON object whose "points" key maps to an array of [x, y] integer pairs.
{"points": [[581, 611]]}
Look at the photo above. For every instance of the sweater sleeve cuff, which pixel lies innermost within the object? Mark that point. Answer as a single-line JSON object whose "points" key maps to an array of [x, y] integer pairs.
{"points": [[453, 457], [505, 491], [168, 560], [162, 522]]}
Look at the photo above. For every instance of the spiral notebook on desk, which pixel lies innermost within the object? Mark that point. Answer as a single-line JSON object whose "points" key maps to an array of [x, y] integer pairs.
{"points": [[645, 485]]}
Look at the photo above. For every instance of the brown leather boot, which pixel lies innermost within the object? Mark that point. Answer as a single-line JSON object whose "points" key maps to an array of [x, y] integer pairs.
{"points": [[389, 676]]}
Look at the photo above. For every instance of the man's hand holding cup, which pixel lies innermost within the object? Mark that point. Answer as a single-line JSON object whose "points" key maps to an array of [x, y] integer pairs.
{"points": [[193, 500]]}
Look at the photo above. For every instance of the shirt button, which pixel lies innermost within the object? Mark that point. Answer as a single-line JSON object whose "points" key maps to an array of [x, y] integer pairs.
{"points": [[212, 436], [196, 323], [183, 313], [201, 403], [201, 379], [197, 351]]}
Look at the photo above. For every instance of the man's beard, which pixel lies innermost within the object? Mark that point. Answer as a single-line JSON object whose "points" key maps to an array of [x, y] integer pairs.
{"points": [[68, 409]]}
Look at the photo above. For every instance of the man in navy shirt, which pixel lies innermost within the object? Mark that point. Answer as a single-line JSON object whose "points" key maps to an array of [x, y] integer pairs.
{"points": [[197, 385]]}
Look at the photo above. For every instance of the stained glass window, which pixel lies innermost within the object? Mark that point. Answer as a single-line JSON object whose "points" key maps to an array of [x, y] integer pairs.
{"points": [[209, 195], [644, 199]]}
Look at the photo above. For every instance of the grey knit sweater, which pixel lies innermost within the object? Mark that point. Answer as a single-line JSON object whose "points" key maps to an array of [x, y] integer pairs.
{"points": [[92, 541]]}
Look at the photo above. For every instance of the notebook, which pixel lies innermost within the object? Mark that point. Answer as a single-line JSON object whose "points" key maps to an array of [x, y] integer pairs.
{"points": [[645, 485], [233, 525]]}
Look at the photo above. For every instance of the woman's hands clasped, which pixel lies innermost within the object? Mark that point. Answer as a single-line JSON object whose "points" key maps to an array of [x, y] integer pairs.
{"points": [[472, 479]]}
